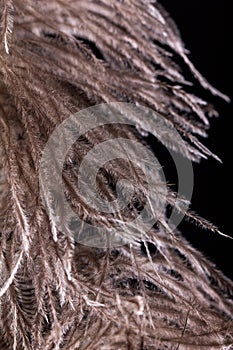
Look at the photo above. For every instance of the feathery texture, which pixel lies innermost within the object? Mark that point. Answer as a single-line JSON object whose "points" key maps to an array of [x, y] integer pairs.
{"points": [[157, 293]]}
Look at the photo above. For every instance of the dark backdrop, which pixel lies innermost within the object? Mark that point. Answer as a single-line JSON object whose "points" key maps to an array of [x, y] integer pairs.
{"points": [[206, 29]]}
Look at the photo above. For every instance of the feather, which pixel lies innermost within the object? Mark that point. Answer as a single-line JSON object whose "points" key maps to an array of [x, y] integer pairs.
{"points": [[6, 23], [157, 291]]}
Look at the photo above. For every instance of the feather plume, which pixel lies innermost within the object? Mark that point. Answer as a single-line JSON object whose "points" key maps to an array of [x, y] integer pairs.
{"points": [[154, 293]]}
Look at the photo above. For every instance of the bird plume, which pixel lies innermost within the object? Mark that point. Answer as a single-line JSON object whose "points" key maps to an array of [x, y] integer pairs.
{"points": [[58, 58]]}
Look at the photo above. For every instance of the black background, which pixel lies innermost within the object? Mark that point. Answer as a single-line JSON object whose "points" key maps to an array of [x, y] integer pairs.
{"points": [[206, 29]]}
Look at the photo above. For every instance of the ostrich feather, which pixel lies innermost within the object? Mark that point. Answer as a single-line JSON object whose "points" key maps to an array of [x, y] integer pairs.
{"points": [[155, 293], [6, 23]]}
